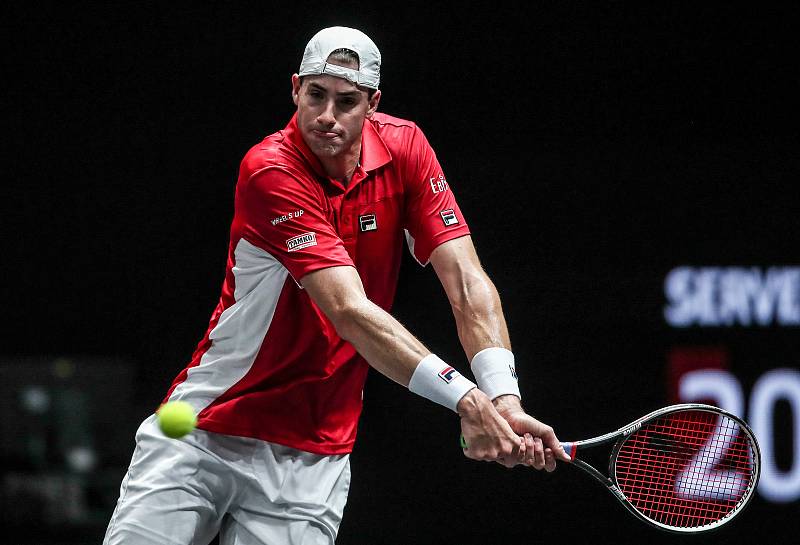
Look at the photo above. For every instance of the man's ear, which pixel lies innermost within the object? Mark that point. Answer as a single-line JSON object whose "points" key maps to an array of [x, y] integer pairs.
{"points": [[373, 103], [295, 89]]}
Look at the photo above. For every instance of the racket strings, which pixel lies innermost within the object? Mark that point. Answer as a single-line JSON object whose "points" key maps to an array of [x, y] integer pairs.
{"points": [[686, 469]]}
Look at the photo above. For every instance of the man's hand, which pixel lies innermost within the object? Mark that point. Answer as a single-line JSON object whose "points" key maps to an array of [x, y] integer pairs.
{"points": [[542, 447], [487, 435]]}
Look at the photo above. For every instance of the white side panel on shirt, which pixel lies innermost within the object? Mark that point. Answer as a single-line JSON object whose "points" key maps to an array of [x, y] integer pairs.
{"points": [[410, 242], [241, 328]]}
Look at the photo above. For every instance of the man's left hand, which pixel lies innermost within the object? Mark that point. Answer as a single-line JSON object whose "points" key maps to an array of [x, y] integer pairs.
{"points": [[542, 446]]}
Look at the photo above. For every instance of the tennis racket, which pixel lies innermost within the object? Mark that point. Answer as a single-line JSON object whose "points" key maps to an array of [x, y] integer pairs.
{"points": [[684, 468]]}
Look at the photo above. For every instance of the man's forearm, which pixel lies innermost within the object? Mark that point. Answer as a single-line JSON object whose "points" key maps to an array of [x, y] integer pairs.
{"points": [[376, 335], [479, 315], [472, 295], [388, 346]]}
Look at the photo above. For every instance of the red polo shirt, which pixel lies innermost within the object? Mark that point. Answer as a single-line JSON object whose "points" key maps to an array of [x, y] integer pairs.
{"points": [[271, 365]]}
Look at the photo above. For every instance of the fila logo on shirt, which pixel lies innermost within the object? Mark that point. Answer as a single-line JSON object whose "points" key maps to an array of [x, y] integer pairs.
{"points": [[448, 374], [367, 222], [301, 241], [449, 217]]}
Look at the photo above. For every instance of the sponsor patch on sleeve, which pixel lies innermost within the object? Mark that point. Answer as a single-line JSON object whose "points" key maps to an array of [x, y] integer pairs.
{"points": [[449, 217], [301, 241]]}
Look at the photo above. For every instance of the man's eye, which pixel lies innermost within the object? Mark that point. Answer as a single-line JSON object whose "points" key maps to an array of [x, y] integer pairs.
{"points": [[315, 94]]}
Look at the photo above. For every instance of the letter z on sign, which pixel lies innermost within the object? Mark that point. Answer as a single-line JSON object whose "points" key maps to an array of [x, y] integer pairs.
{"points": [[301, 241]]}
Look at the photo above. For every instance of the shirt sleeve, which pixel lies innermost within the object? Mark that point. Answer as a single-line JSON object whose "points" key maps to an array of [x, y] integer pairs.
{"points": [[287, 218], [432, 214]]}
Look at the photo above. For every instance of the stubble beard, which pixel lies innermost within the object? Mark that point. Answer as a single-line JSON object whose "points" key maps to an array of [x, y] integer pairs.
{"points": [[327, 150]]}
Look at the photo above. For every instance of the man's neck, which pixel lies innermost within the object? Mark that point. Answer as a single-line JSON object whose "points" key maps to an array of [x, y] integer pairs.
{"points": [[343, 165]]}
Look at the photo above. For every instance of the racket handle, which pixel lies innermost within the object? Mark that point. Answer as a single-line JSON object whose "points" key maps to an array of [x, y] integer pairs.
{"points": [[570, 449]]}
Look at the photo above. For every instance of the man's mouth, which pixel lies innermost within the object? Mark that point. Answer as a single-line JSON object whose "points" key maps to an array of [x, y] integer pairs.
{"points": [[322, 133]]}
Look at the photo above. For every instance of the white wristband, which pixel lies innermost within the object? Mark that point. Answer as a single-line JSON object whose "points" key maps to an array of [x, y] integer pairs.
{"points": [[435, 380], [494, 370]]}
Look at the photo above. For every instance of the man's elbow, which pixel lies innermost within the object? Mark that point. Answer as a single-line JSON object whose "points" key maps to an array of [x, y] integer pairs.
{"points": [[477, 295], [346, 319]]}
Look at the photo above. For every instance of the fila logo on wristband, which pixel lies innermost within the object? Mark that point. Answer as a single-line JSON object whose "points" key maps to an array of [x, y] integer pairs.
{"points": [[434, 379], [448, 374]]}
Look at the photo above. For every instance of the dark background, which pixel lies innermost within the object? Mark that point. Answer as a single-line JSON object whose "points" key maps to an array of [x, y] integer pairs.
{"points": [[592, 149]]}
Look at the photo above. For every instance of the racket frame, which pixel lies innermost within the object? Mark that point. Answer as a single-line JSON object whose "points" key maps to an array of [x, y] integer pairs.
{"points": [[620, 435]]}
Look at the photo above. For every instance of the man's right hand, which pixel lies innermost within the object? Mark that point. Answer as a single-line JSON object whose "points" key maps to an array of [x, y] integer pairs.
{"points": [[487, 435]]}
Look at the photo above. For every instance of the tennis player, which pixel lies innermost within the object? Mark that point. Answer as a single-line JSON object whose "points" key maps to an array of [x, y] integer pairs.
{"points": [[321, 211]]}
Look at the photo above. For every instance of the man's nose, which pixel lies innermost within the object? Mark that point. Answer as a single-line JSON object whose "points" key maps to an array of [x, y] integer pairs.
{"points": [[326, 116]]}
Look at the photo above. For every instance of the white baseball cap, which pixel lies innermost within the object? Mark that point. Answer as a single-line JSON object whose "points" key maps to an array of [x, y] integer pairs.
{"points": [[328, 40]]}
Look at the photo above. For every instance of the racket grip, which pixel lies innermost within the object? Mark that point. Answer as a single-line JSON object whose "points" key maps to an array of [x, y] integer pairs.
{"points": [[570, 449]]}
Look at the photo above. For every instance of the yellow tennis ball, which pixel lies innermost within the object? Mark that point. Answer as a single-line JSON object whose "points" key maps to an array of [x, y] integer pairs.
{"points": [[176, 418]]}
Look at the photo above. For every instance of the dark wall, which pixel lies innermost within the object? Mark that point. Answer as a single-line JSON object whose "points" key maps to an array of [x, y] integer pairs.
{"points": [[592, 149]]}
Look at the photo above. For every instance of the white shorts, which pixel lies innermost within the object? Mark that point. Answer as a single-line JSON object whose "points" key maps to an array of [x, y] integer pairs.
{"points": [[252, 492]]}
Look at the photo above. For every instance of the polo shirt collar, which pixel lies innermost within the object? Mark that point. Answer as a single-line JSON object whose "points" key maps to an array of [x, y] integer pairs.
{"points": [[374, 153]]}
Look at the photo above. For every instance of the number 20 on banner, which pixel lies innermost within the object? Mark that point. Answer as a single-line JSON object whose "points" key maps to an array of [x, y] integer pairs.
{"points": [[721, 386]]}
